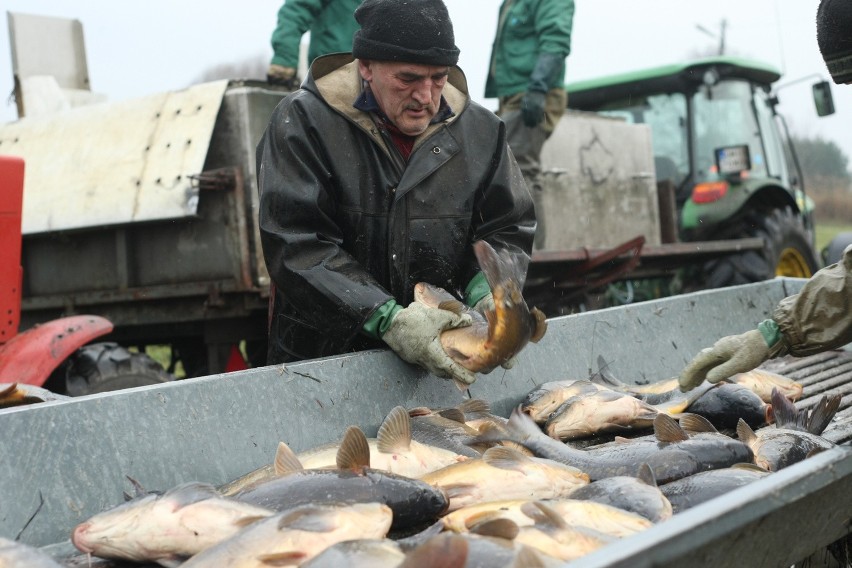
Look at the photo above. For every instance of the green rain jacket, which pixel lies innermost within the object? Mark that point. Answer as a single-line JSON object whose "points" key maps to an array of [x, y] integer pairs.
{"points": [[525, 29], [819, 317], [331, 23]]}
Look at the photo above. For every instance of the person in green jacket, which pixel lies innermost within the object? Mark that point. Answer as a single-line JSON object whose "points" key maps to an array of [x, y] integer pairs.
{"points": [[331, 23], [819, 317], [526, 75]]}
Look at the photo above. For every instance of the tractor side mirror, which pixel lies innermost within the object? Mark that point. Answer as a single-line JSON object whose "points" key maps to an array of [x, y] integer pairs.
{"points": [[823, 100]]}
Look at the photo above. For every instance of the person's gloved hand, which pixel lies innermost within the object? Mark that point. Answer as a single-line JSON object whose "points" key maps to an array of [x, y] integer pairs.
{"points": [[728, 356], [283, 76], [532, 108], [414, 334], [487, 304]]}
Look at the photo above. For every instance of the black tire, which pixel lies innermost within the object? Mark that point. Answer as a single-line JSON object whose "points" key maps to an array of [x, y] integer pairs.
{"points": [[102, 367], [834, 251], [787, 252]]}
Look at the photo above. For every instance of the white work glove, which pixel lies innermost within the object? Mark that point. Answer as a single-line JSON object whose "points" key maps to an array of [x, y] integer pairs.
{"points": [[414, 334], [487, 304], [728, 356], [284, 76]]}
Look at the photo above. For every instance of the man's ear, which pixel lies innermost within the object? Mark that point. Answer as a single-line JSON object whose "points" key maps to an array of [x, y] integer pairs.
{"points": [[365, 69]]}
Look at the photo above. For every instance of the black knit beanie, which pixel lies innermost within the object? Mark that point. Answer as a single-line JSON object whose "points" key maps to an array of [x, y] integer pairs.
{"points": [[409, 31], [834, 35]]}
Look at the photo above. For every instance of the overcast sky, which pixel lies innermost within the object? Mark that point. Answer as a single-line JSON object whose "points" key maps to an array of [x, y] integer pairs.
{"points": [[140, 48]]}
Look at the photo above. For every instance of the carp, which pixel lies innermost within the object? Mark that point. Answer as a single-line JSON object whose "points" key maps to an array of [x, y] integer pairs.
{"points": [[671, 454], [796, 434], [638, 495], [505, 473], [392, 450], [450, 550], [295, 536], [696, 489], [551, 535], [761, 382], [413, 502], [540, 402], [501, 333], [599, 517], [361, 553], [171, 526], [725, 404]]}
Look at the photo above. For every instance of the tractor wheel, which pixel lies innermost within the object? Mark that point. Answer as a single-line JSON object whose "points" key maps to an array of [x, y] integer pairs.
{"points": [[102, 367], [787, 252]]}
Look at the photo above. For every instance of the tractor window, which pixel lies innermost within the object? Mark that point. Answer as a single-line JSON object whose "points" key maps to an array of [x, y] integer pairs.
{"points": [[666, 115], [724, 116], [775, 160]]}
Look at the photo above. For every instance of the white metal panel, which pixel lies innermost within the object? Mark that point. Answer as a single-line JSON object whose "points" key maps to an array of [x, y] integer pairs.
{"points": [[44, 45], [114, 163]]}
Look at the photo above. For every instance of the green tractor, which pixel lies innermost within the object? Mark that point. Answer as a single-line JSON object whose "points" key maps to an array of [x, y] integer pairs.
{"points": [[724, 151]]}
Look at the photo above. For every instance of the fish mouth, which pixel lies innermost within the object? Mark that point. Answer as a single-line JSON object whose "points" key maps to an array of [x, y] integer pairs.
{"points": [[78, 538]]}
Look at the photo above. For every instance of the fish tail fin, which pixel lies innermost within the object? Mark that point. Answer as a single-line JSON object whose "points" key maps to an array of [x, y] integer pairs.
{"points": [[785, 412], [822, 413]]}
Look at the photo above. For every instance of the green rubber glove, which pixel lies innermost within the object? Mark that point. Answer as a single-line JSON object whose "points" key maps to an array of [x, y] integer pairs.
{"points": [[414, 335], [728, 356]]}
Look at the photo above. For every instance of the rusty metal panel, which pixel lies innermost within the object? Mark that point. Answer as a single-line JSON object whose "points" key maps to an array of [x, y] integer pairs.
{"points": [[63, 461], [115, 163]]}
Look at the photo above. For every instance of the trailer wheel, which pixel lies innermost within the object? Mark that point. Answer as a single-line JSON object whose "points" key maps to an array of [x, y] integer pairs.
{"points": [[787, 251], [102, 367]]}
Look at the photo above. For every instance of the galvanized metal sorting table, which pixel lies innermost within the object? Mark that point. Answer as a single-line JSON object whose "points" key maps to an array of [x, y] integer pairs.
{"points": [[61, 462]]}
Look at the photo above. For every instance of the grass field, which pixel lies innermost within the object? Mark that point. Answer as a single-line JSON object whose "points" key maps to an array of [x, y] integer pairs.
{"points": [[827, 231]]}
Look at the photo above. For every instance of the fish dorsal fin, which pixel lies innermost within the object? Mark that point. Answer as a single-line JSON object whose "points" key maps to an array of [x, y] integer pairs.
{"points": [[447, 550], [540, 324], [696, 423], [250, 520], [822, 413], [475, 406], [191, 492], [419, 411], [666, 429], [500, 528], [453, 305], [646, 475], [137, 487], [517, 447], [749, 467], [8, 390], [285, 460], [309, 518], [744, 432], [395, 432], [527, 557], [453, 414], [288, 558], [505, 458], [541, 514], [786, 413], [354, 450]]}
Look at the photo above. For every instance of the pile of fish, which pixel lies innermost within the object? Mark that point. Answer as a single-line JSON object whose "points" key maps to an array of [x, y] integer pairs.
{"points": [[464, 487]]}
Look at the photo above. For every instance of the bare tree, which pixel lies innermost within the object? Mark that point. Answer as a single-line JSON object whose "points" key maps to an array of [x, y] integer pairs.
{"points": [[252, 68]]}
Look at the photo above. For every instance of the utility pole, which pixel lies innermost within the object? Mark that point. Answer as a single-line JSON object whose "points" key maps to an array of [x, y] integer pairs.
{"points": [[723, 25]]}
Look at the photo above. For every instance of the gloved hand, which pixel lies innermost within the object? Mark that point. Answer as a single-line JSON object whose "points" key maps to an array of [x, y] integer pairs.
{"points": [[283, 76], [414, 334], [532, 108], [484, 305], [728, 356]]}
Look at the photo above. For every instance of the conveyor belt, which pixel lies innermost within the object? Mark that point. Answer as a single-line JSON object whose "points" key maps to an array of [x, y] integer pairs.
{"points": [[822, 374]]}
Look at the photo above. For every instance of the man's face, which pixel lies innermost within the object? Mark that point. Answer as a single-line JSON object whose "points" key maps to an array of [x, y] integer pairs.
{"points": [[408, 93]]}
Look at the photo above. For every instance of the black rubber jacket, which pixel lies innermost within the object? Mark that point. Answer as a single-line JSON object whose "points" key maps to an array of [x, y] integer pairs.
{"points": [[347, 225]]}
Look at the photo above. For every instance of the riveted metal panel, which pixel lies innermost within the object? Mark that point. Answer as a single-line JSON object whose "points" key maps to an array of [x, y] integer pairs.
{"points": [[114, 163]]}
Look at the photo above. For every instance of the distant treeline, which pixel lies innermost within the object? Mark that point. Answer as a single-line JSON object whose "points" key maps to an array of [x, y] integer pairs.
{"points": [[828, 180]]}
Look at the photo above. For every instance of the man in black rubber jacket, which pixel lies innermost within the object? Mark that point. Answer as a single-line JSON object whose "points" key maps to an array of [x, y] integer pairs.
{"points": [[380, 173]]}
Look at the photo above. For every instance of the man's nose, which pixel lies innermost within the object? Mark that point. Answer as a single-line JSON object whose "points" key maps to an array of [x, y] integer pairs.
{"points": [[423, 92]]}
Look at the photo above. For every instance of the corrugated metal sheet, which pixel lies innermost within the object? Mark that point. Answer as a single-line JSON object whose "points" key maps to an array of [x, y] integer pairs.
{"points": [[114, 163]]}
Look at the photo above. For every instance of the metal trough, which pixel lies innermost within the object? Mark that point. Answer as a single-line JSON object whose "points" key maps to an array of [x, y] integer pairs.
{"points": [[61, 462]]}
